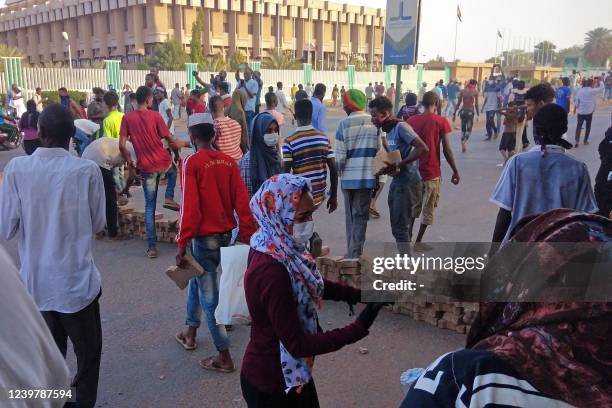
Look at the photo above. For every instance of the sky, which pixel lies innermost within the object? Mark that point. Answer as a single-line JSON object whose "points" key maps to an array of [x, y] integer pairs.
{"points": [[563, 22]]}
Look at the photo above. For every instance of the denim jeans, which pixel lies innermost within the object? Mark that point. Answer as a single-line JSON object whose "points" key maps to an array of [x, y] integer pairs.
{"points": [[203, 292], [401, 210], [150, 184], [491, 128], [450, 107], [118, 177], [171, 178], [356, 208], [249, 118]]}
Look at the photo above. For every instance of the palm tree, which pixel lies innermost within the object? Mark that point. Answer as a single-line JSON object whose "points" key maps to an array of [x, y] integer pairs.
{"points": [[235, 59], [598, 46], [213, 63], [280, 59], [359, 62]]}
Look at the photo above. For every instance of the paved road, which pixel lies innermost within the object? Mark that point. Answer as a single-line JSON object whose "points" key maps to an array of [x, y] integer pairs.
{"points": [[142, 366]]}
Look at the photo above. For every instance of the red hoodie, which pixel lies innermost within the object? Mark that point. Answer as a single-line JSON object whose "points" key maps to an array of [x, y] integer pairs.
{"points": [[212, 190]]}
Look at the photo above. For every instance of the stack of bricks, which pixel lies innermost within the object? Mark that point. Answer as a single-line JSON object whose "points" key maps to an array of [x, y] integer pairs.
{"points": [[132, 225], [339, 269], [437, 309]]}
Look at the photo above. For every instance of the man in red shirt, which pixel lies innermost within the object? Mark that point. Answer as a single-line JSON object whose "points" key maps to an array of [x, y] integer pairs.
{"points": [[145, 128], [212, 191], [197, 105], [433, 129]]}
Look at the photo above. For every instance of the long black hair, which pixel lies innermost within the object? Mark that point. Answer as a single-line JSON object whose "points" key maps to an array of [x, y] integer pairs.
{"points": [[33, 114]]}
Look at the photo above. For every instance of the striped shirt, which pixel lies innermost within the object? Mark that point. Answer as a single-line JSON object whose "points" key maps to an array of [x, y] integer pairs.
{"points": [[356, 146], [308, 150], [245, 172], [228, 137]]}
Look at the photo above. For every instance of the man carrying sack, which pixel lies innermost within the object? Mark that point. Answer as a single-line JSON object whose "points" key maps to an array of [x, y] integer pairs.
{"points": [[207, 225]]}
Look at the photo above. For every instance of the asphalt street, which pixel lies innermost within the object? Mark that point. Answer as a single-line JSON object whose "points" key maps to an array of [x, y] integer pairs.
{"points": [[141, 309]]}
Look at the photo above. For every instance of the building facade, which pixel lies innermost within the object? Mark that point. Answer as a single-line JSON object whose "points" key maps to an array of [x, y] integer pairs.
{"points": [[323, 33]]}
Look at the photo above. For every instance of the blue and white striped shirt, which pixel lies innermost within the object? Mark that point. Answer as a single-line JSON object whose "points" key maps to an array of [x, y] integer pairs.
{"points": [[356, 146]]}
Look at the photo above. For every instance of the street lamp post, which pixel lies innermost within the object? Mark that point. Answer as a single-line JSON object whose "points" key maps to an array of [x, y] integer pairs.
{"points": [[65, 36]]}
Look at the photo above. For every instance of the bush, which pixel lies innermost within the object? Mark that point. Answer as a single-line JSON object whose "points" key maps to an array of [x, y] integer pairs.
{"points": [[53, 96]]}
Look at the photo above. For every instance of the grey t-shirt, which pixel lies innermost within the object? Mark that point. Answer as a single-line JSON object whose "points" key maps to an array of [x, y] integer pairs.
{"points": [[532, 183]]}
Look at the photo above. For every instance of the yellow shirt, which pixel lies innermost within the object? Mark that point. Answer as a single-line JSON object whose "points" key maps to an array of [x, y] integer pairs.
{"points": [[112, 124], [293, 90]]}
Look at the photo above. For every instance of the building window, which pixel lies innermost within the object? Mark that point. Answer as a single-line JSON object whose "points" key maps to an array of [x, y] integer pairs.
{"points": [[250, 25], [108, 23], [225, 22], [273, 24], [109, 51], [125, 20], [144, 17], [334, 27]]}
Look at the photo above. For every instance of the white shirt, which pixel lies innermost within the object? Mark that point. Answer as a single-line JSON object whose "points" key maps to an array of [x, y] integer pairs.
{"points": [[55, 202], [586, 100], [309, 90], [253, 87], [18, 104], [282, 101], [106, 154], [30, 358], [164, 107]]}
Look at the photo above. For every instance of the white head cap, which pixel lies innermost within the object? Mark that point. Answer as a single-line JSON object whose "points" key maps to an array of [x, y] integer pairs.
{"points": [[199, 118]]}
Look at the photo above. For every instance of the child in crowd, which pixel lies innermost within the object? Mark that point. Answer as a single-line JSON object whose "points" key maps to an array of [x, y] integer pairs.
{"points": [[507, 144], [410, 108]]}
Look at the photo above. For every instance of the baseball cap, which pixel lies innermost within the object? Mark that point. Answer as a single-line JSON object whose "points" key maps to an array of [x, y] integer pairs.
{"points": [[199, 119]]}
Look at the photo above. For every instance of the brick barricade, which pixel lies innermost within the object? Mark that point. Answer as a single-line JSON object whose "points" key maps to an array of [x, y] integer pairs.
{"points": [[436, 310], [132, 225]]}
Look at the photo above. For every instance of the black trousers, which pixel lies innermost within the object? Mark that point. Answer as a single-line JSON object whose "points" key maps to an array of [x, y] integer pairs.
{"points": [[111, 201], [85, 332], [254, 398], [581, 119]]}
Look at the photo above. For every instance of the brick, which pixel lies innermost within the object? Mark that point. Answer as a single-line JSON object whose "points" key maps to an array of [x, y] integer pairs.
{"points": [[350, 263], [350, 271], [158, 215]]}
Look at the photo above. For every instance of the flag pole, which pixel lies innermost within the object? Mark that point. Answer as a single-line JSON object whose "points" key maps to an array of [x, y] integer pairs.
{"points": [[456, 28], [496, 43]]}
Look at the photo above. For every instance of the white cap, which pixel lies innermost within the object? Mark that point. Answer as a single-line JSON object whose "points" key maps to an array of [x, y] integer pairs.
{"points": [[199, 118]]}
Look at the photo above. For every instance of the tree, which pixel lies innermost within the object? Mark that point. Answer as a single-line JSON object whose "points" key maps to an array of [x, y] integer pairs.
{"points": [[598, 46], [359, 62], [544, 53], [236, 59], [574, 51], [169, 56], [6, 51], [438, 58], [213, 63], [279, 59], [515, 58], [196, 38]]}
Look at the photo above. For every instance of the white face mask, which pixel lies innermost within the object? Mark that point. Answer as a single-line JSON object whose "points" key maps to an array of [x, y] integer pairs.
{"points": [[271, 139], [303, 231]]}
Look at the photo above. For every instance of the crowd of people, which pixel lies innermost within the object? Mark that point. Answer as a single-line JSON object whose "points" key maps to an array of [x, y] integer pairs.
{"points": [[245, 181]]}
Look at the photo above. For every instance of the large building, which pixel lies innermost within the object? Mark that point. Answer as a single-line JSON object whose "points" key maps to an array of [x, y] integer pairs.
{"points": [[325, 33]]}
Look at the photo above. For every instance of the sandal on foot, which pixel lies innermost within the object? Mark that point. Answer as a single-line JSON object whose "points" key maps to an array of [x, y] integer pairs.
{"points": [[374, 213], [183, 342], [152, 253], [172, 206], [210, 364]]}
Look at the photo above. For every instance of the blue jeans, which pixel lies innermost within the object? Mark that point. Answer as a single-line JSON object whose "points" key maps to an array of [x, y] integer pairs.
{"points": [[401, 213], [203, 292], [171, 178], [249, 118], [150, 183]]}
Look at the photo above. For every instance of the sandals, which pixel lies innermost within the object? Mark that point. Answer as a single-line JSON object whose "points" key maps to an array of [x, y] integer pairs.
{"points": [[210, 364], [172, 206], [181, 340], [152, 253], [374, 213]]}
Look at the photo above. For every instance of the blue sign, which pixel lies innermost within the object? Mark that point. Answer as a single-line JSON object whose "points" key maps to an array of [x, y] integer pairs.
{"points": [[401, 32]]}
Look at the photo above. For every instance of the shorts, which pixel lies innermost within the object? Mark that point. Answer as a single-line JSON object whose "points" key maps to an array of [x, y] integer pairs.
{"points": [[416, 199], [431, 197], [508, 141]]}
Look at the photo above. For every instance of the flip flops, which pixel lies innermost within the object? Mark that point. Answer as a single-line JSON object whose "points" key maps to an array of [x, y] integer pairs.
{"points": [[374, 213], [183, 343], [210, 364]]}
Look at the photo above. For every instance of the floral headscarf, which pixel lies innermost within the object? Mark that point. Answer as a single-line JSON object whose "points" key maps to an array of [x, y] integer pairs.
{"points": [[274, 206]]}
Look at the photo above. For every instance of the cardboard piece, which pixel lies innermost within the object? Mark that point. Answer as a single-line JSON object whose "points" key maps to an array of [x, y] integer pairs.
{"points": [[181, 276], [378, 162]]}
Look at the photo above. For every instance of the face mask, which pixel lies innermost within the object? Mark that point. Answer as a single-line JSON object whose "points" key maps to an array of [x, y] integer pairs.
{"points": [[271, 139], [303, 231]]}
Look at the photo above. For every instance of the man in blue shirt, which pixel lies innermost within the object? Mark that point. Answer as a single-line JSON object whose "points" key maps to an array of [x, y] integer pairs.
{"points": [[564, 93], [251, 87], [9, 128], [319, 114], [453, 92], [543, 179], [406, 187]]}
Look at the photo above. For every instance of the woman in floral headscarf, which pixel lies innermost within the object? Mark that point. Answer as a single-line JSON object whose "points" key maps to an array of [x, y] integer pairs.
{"points": [[283, 290]]}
